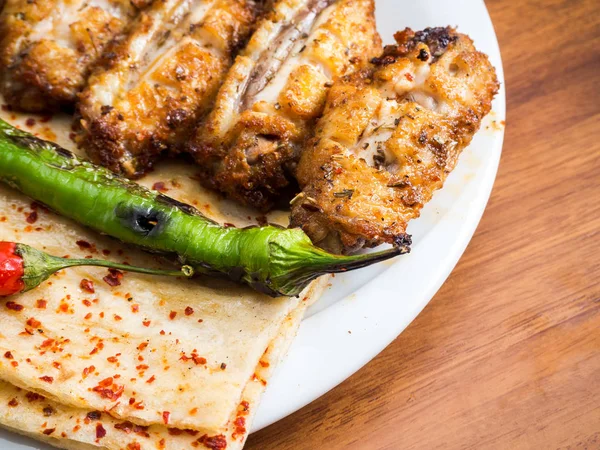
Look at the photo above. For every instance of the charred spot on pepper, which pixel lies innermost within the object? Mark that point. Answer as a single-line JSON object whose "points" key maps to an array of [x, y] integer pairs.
{"points": [[146, 221]]}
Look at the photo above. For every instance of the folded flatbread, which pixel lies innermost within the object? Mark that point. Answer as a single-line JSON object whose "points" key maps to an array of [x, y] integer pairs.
{"points": [[137, 351]]}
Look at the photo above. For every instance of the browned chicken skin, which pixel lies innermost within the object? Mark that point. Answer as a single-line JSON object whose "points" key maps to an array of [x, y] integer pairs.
{"points": [[389, 137], [152, 88], [47, 48], [275, 91]]}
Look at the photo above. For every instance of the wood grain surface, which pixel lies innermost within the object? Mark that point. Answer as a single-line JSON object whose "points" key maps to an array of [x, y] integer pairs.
{"points": [[507, 354]]}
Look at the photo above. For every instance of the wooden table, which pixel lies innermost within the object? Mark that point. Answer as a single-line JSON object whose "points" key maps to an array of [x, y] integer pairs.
{"points": [[507, 354]]}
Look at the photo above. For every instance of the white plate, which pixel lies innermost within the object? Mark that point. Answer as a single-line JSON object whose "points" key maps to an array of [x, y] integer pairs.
{"points": [[378, 303], [364, 311]]}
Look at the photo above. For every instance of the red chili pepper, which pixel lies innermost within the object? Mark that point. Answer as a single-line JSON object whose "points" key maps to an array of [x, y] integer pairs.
{"points": [[11, 270], [23, 267]]}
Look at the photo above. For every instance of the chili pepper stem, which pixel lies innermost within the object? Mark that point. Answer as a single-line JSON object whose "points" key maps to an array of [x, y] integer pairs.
{"points": [[39, 266]]}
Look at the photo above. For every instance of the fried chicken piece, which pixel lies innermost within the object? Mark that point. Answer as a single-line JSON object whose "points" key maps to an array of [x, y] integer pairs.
{"points": [[151, 89], [272, 96], [389, 137], [47, 48]]}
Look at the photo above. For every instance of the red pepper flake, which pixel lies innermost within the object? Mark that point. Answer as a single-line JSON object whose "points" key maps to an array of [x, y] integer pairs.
{"points": [[189, 311], [106, 382], [84, 245], [47, 379], [218, 442], [162, 332], [88, 316], [32, 397], [32, 217], [100, 431], [88, 370], [159, 186], [107, 389], [240, 427], [33, 322], [112, 359], [63, 307], [151, 380], [41, 304], [128, 427], [14, 363], [47, 343], [49, 431], [56, 365], [223, 366], [142, 367], [114, 277], [165, 417], [94, 415], [86, 302], [111, 281], [193, 411], [264, 363], [87, 286], [175, 431], [133, 446], [172, 315], [409, 77], [14, 306], [8, 355], [142, 346], [135, 308], [117, 317], [146, 323], [13, 402]]}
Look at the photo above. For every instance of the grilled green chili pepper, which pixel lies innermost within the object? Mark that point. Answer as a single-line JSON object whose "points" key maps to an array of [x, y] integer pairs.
{"points": [[273, 260]]}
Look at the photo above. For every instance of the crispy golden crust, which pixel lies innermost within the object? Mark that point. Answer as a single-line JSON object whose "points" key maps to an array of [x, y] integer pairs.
{"points": [[48, 47], [153, 87], [389, 137], [277, 88]]}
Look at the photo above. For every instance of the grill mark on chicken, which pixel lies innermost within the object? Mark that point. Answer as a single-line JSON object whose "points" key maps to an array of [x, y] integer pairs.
{"points": [[390, 135], [47, 49], [268, 104], [154, 86]]}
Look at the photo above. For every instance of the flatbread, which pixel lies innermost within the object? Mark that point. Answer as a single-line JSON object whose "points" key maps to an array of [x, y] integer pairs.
{"points": [[66, 427], [158, 352]]}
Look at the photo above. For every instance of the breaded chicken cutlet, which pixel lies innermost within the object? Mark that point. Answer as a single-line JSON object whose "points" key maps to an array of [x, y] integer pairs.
{"points": [[389, 137], [47, 48], [152, 88], [276, 90]]}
